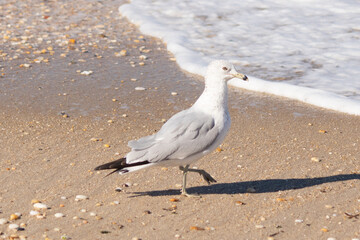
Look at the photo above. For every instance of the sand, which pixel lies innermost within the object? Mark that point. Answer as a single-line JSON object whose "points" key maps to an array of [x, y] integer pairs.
{"points": [[286, 170]]}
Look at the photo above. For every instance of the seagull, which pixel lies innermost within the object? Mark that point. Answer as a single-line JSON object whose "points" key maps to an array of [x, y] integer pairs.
{"points": [[188, 135]]}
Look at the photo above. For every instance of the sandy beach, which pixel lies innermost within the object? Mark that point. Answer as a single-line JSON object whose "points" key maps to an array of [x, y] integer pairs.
{"points": [[68, 102]]}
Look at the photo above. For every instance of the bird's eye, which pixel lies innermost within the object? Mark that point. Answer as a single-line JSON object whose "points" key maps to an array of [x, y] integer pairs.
{"points": [[225, 68]]}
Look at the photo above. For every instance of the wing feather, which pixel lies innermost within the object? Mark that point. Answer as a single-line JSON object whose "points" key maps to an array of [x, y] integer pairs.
{"points": [[185, 134], [142, 143]]}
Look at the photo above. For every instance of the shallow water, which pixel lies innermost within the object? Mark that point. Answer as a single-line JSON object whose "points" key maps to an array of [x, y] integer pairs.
{"points": [[312, 43]]}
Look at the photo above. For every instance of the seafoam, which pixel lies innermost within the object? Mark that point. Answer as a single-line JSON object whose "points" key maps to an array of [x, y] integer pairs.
{"points": [[308, 50]]}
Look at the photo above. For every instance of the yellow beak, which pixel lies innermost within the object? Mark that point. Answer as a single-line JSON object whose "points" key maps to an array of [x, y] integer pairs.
{"points": [[241, 76]]}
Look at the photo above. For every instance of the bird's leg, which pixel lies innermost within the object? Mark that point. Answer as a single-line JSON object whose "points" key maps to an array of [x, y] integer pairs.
{"points": [[183, 190], [207, 177], [185, 171]]}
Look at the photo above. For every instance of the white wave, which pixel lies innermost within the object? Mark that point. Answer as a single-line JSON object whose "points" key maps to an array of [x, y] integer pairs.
{"points": [[316, 44]]}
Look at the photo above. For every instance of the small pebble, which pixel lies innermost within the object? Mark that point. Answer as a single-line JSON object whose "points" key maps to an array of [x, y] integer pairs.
{"points": [[87, 73], [40, 206], [143, 57], [93, 214], [219, 149], [140, 88], [123, 53], [64, 237], [315, 159], [196, 228], [63, 197], [299, 220], [34, 201], [259, 226], [40, 216], [80, 197], [13, 226], [14, 217], [239, 203], [59, 215], [33, 213], [174, 93], [3, 221], [331, 238], [13, 237], [82, 210]]}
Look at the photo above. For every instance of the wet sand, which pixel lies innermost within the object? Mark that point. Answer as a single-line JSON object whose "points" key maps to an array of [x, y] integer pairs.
{"points": [[285, 171]]}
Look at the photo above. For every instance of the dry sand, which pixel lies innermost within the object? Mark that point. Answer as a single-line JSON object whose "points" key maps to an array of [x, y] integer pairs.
{"points": [[286, 170]]}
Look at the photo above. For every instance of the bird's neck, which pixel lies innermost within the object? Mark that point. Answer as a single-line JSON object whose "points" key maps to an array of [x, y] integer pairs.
{"points": [[214, 96]]}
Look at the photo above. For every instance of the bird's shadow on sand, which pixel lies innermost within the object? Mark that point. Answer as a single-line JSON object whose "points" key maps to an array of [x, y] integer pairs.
{"points": [[260, 186]]}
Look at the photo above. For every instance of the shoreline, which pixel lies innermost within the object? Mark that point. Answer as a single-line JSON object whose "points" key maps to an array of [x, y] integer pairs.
{"points": [[286, 169], [185, 56]]}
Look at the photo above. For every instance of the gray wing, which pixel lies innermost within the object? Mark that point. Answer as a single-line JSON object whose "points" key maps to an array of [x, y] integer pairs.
{"points": [[185, 134]]}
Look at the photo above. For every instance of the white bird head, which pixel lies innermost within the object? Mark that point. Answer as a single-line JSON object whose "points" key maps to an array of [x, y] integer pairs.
{"points": [[224, 70]]}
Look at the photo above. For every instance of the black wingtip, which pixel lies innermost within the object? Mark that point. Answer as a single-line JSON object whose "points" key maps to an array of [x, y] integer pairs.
{"points": [[116, 170], [97, 168], [117, 164]]}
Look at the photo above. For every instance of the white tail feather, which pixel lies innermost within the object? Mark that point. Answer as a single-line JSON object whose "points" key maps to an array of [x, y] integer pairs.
{"points": [[134, 168]]}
